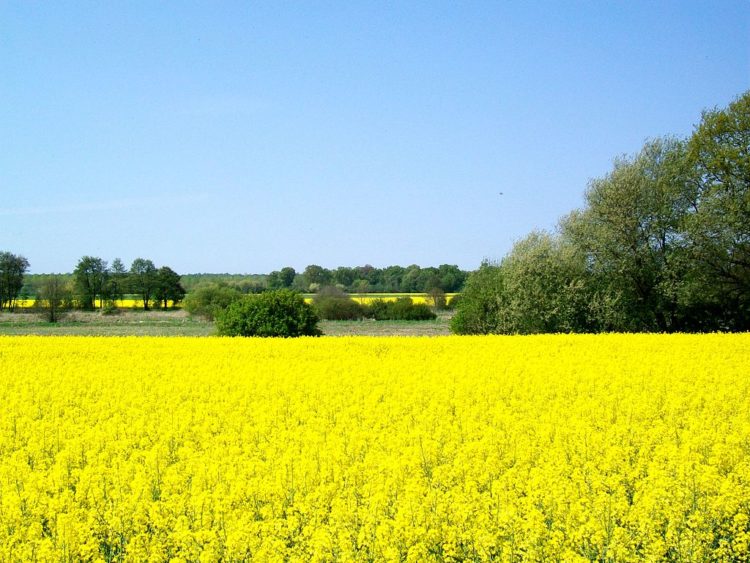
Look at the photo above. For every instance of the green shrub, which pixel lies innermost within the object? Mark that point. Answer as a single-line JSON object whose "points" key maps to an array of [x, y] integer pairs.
{"points": [[483, 307], [208, 299], [274, 313], [110, 309], [402, 309], [453, 302], [332, 304], [333, 309], [377, 309], [405, 310]]}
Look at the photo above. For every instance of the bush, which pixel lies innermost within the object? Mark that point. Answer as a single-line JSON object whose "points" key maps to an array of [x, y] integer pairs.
{"points": [[402, 309], [332, 304], [453, 302], [274, 313], [405, 310], [333, 309], [208, 299], [377, 309], [110, 309], [482, 308]]}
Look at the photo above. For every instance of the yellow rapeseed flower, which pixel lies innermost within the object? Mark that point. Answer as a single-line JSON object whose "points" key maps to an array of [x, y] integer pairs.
{"points": [[541, 448]]}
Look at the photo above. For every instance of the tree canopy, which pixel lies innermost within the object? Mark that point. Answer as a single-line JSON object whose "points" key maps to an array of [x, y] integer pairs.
{"points": [[12, 269], [661, 244]]}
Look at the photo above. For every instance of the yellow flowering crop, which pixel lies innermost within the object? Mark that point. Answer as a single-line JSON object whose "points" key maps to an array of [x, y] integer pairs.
{"points": [[546, 448], [127, 303], [362, 298]]}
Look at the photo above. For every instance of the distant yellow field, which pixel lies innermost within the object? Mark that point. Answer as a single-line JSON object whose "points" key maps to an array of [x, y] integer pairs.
{"points": [[364, 298], [546, 448], [367, 298], [123, 303]]}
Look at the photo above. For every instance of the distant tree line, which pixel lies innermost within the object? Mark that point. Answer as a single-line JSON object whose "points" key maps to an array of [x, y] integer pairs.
{"points": [[95, 283], [245, 283], [662, 244], [368, 279]]}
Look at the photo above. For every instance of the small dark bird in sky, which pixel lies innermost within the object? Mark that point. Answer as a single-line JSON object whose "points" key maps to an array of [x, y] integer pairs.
{"points": [[499, 193]]}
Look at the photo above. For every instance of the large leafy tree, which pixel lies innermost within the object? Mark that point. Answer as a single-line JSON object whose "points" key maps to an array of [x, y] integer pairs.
{"points": [[451, 277], [168, 287], [630, 233], [53, 298], [316, 276], [391, 278], [118, 281], [484, 305], [718, 226], [208, 299], [90, 279], [286, 276], [12, 269], [144, 280], [662, 244], [548, 286], [282, 279]]}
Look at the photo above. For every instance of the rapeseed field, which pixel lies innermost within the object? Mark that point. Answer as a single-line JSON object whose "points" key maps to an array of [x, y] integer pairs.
{"points": [[362, 298], [545, 448]]}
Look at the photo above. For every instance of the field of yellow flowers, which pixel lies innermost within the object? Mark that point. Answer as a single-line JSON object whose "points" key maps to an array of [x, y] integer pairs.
{"points": [[362, 298], [546, 448]]}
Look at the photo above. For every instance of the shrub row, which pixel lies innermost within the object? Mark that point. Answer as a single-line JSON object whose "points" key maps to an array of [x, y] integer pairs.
{"points": [[285, 313], [338, 308]]}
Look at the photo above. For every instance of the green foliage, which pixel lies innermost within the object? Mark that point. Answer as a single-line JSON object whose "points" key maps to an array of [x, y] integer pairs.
{"points": [[143, 280], [168, 287], [410, 279], [110, 309], [437, 299], [402, 309], [90, 280], [544, 281], [630, 233], [274, 313], [192, 281], [54, 297], [332, 304], [662, 244], [367, 278], [541, 286], [344, 276], [454, 302], [208, 299], [317, 276], [718, 227], [483, 307], [281, 279], [12, 269], [117, 283]]}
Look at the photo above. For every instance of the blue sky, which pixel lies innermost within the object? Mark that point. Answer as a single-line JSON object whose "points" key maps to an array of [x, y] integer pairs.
{"points": [[244, 137]]}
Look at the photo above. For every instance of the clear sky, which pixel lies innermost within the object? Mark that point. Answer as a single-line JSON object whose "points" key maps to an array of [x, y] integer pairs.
{"points": [[244, 137]]}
